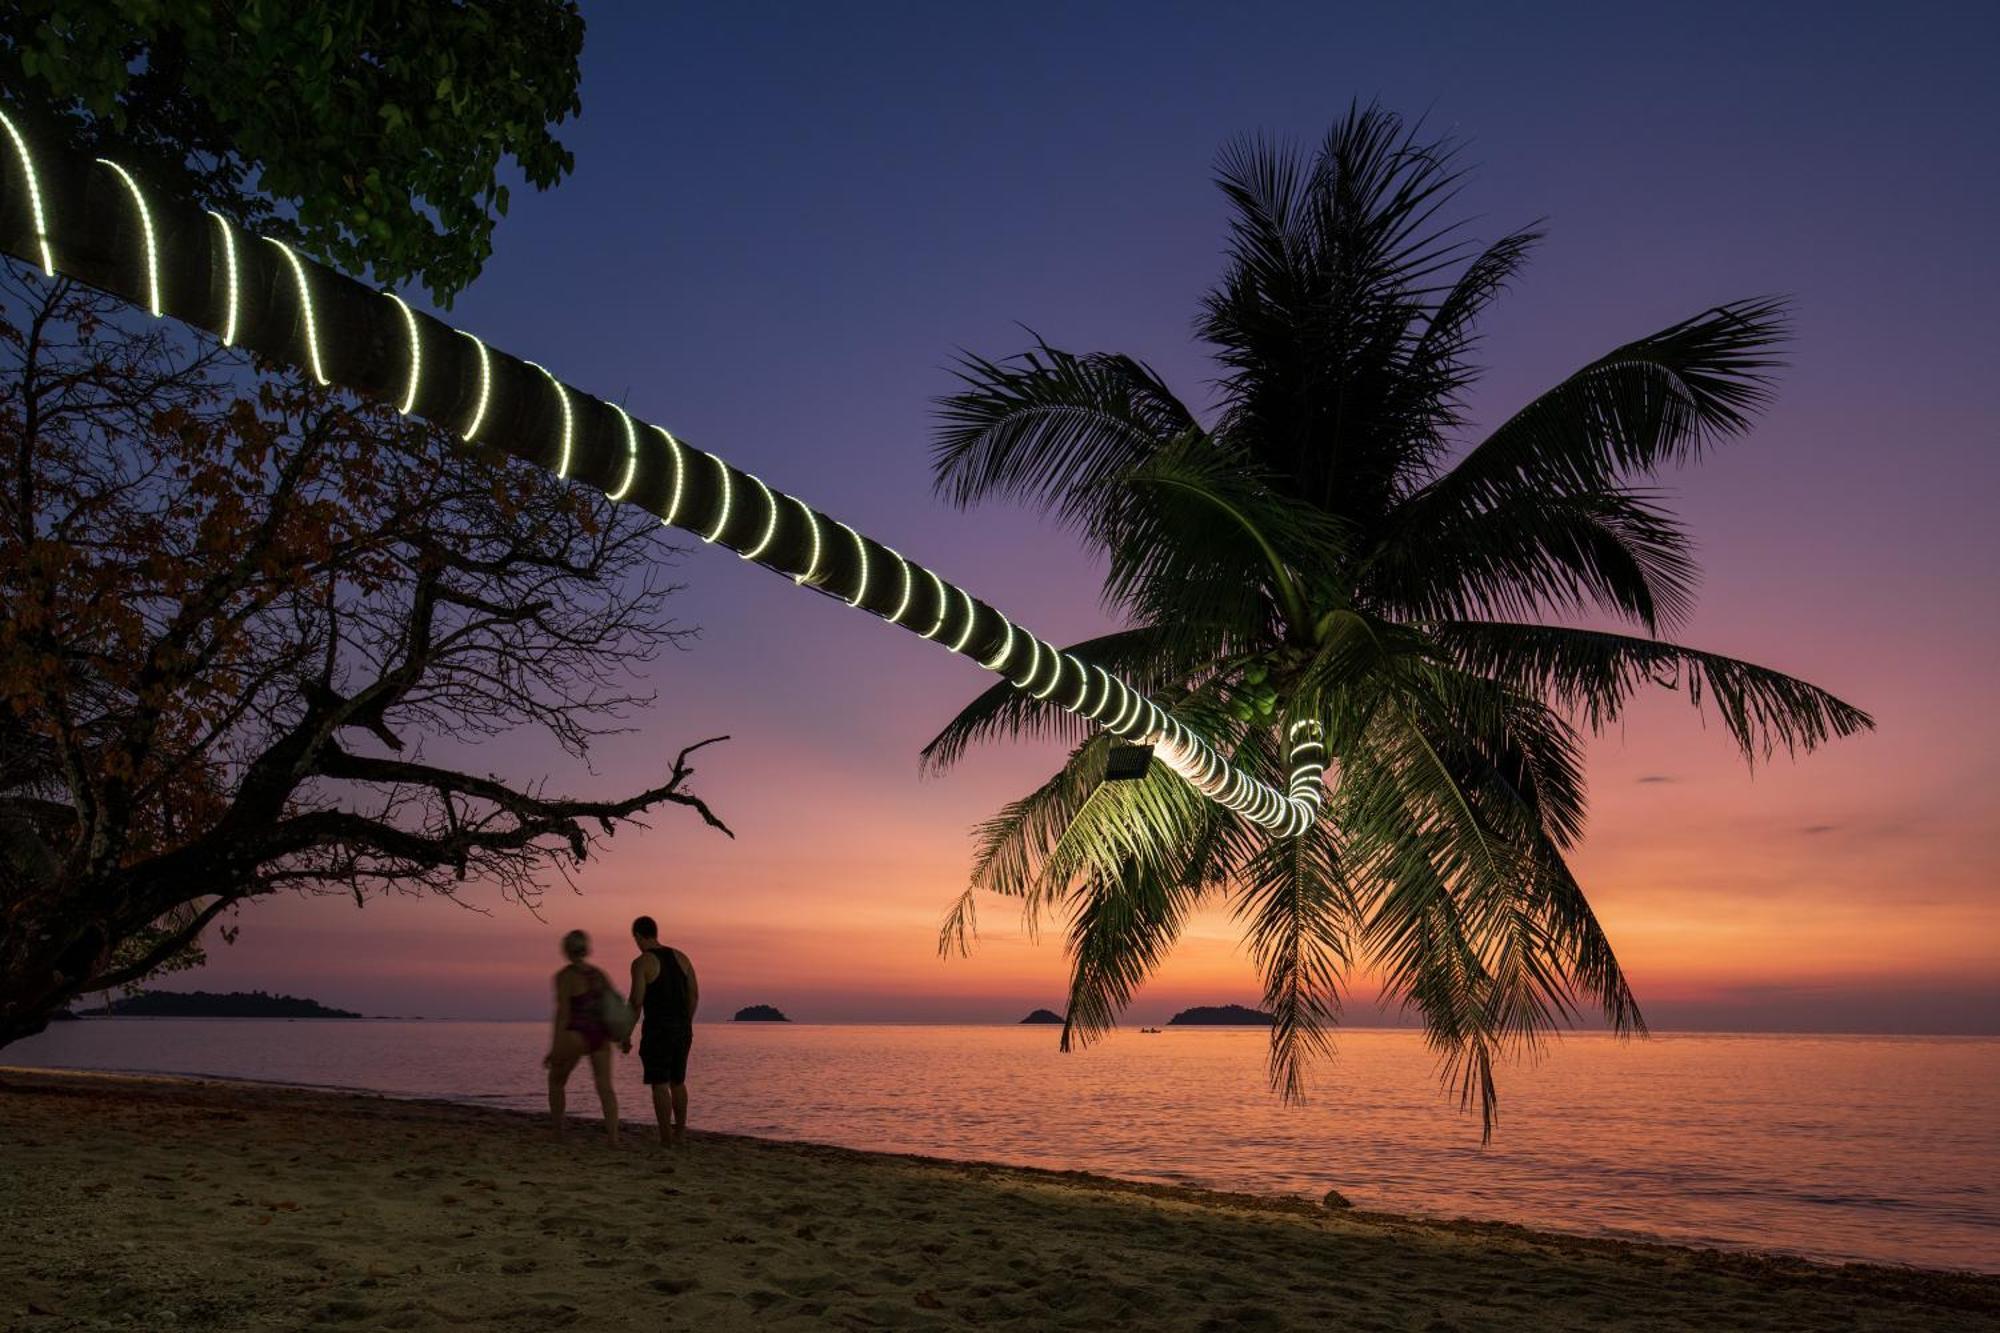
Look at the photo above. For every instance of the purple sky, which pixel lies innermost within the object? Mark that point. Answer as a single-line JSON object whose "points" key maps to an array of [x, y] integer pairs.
{"points": [[783, 222]]}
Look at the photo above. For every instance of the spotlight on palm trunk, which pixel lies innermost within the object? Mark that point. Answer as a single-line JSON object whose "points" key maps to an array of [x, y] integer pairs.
{"points": [[1127, 763]]}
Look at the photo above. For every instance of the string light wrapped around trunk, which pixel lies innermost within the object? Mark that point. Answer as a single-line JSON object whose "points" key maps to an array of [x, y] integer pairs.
{"points": [[92, 220]]}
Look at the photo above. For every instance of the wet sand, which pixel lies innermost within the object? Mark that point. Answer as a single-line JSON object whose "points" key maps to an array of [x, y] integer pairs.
{"points": [[150, 1203]]}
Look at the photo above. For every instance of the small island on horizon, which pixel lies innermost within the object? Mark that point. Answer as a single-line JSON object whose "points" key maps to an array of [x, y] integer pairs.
{"points": [[1221, 1015], [1043, 1016], [761, 1013], [215, 1004]]}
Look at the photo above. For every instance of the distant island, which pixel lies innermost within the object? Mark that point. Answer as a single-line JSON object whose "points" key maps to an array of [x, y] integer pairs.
{"points": [[1221, 1015], [212, 1004], [1043, 1016], [761, 1013]]}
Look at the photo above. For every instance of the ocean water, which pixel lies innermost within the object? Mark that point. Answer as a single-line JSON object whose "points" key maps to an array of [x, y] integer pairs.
{"points": [[1884, 1149]]}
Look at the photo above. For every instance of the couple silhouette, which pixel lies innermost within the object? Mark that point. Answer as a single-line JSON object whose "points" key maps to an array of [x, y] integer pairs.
{"points": [[591, 1015]]}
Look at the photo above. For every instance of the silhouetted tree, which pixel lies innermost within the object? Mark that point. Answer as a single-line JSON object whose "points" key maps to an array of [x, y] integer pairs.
{"points": [[1329, 546], [238, 609]]}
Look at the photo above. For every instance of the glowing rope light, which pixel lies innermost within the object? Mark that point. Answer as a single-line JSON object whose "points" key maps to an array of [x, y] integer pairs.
{"points": [[1034, 662], [569, 421], [1103, 698], [1055, 678], [994, 663], [34, 197], [416, 355], [1128, 716], [146, 226], [908, 584], [306, 305], [862, 546], [812, 522], [1082, 684], [1289, 808], [485, 387], [1140, 723], [1136, 712], [229, 270], [971, 619], [770, 520], [631, 455], [944, 605], [722, 520], [680, 468], [1123, 719]]}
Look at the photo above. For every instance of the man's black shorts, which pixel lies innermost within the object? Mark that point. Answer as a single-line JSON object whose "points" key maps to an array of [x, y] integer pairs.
{"points": [[664, 1054]]}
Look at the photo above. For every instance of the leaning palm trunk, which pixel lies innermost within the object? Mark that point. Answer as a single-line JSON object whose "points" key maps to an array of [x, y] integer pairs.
{"points": [[1328, 556]]}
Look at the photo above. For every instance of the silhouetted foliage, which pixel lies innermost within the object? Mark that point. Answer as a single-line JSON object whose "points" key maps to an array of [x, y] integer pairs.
{"points": [[240, 611], [1332, 545], [1221, 1015], [216, 1004], [373, 134]]}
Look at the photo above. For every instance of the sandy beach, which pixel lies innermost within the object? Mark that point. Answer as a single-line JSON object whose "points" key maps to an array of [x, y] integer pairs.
{"points": [[152, 1203]]}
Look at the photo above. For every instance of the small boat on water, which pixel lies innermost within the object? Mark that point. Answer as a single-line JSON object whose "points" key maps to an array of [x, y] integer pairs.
{"points": [[1154, 1030]]}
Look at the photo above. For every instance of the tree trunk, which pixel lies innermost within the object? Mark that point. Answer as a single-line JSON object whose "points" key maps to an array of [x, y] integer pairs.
{"points": [[14, 1027], [42, 969]]}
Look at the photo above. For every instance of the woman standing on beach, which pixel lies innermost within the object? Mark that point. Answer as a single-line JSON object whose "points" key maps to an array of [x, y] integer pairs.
{"points": [[579, 1031]]}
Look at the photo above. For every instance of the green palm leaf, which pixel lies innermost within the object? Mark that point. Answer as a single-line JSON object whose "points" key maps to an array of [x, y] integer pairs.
{"points": [[1300, 915], [1050, 427]]}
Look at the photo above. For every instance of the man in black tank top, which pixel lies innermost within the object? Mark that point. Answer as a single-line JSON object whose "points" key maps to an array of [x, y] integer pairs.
{"points": [[664, 995]]}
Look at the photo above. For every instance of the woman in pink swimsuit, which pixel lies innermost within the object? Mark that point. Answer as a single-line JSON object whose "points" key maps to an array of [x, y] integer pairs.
{"points": [[580, 1032]]}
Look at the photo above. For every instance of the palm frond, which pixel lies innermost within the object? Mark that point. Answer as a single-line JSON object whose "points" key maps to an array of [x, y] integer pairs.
{"points": [[1536, 553], [1595, 673], [1335, 265], [1051, 427], [1200, 524], [1156, 822], [1011, 847], [1005, 712], [1523, 768], [1139, 857], [1299, 913], [1655, 402], [1121, 926], [1437, 360], [1586, 950]]}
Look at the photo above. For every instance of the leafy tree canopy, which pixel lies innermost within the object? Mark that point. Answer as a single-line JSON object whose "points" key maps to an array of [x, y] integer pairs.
{"points": [[370, 133]]}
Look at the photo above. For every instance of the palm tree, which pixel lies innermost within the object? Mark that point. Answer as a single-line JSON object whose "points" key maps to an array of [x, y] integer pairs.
{"points": [[1323, 548]]}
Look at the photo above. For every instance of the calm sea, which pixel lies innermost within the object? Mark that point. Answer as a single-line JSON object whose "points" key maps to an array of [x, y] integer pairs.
{"points": [[1884, 1149]]}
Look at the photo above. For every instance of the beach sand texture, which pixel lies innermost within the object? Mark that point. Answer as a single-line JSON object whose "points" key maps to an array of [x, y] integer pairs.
{"points": [[148, 1203]]}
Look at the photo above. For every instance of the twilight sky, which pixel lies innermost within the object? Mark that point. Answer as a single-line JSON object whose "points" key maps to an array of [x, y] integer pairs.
{"points": [[783, 221]]}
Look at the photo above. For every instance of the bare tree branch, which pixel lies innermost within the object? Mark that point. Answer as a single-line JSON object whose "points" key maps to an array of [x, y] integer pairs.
{"points": [[219, 577]]}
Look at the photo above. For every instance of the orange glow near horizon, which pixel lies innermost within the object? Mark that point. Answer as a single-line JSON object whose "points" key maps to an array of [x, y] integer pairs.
{"points": [[798, 327], [1794, 893]]}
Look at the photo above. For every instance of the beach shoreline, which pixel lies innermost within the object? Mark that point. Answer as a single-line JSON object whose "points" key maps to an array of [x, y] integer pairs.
{"points": [[134, 1193]]}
